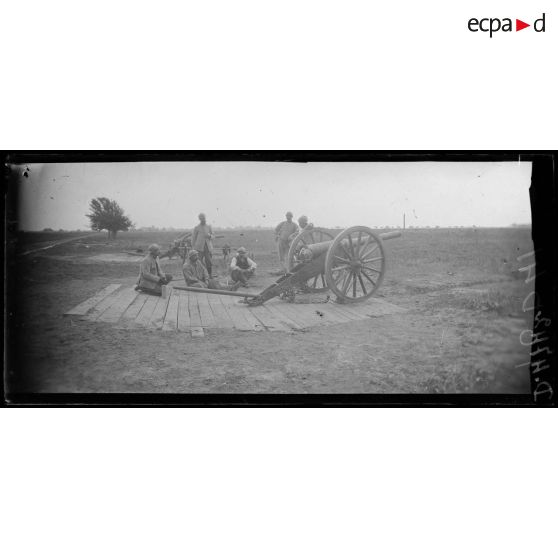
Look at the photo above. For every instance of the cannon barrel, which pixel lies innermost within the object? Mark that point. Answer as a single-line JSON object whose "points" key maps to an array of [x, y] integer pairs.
{"points": [[311, 251]]}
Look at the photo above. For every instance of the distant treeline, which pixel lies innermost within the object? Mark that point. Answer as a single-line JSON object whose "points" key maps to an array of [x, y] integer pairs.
{"points": [[172, 229]]}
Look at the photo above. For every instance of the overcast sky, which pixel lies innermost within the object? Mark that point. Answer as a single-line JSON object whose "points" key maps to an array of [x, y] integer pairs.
{"points": [[243, 194]]}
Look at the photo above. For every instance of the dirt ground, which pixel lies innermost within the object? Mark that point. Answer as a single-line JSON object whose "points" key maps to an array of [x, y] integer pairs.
{"points": [[461, 287]]}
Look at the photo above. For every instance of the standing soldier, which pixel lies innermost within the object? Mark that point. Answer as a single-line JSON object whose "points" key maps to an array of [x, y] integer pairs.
{"points": [[303, 224], [202, 237], [226, 254], [283, 231]]}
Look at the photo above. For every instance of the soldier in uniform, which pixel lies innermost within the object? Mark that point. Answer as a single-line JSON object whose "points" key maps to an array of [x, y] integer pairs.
{"points": [[202, 241], [195, 273], [304, 225], [283, 232], [151, 277], [226, 253]]}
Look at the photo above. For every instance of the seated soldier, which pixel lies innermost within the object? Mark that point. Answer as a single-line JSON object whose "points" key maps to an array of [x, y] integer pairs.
{"points": [[151, 277], [195, 273], [242, 268]]}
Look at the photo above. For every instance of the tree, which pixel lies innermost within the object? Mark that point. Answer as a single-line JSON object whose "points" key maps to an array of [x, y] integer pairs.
{"points": [[107, 215]]}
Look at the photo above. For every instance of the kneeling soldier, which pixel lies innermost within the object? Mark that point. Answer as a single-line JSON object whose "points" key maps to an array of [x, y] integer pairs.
{"points": [[151, 277], [242, 268]]}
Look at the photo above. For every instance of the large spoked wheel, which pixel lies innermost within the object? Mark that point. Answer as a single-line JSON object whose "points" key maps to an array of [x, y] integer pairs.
{"points": [[355, 264], [314, 235]]}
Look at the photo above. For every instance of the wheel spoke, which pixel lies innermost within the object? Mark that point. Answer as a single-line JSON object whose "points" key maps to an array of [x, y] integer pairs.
{"points": [[315, 282], [368, 240], [358, 243], [346, 283], [354, 285], [362, 283], [367, 277], [368, 254], [339, 267], [342, 259], [351, 245], [372, 260], [371, 269], [345, 250]]}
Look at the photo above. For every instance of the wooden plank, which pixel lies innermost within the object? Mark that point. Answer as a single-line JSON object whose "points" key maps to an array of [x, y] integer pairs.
{"points": [[286, 322], [331, 314], [225, 309], [158, 315], [144, 314], [206, 314], [118, 307], [376, 308], [95, 312], [291, 311], [195, 319], [197, 332], [171, 317], [183, 322], [127, 319], [84, 307], [272, 320], [344, 311], [261, 315], [284, 309], [242, 319], [317, 314], [303, 315], [220, 313], [277, 310]]}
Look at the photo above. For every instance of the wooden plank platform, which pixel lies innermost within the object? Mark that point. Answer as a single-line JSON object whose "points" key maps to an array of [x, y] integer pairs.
{"points": [[85, 306], [115, 311], [193, 313]]}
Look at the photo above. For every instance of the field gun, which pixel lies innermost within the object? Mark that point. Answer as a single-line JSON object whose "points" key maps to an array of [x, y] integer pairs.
{"points": [[351, 265], [179, 247], [182, 245]]}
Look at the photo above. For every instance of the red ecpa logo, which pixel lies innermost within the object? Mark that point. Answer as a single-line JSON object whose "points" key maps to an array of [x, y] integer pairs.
{"points": [[494, 24]]}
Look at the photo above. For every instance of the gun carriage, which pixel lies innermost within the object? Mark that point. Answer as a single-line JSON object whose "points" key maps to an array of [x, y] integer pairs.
{"points": [[351, 265]]}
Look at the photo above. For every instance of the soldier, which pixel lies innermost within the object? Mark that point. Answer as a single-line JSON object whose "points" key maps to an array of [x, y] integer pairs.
{"points": [[195, 273], [202, 238], [226, 253], [283, 232], [151, 277], [303, 223], [242, 268], [304, 226]]}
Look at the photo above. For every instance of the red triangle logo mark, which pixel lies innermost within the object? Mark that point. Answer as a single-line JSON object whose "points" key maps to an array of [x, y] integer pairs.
{"points": [[519, 25]]}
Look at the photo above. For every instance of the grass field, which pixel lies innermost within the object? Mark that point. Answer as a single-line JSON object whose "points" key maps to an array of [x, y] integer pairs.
{"points": [[461, 287]]}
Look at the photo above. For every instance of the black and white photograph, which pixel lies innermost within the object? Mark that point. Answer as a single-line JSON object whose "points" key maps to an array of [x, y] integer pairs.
{"points": [[286, 277], [279, 279]]}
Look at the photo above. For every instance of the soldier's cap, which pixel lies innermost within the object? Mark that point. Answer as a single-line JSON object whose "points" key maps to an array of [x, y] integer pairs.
{"points": [[153, 248], [193, 253], [201, 215], [303, 218], [241, 250], [289, 214]]}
